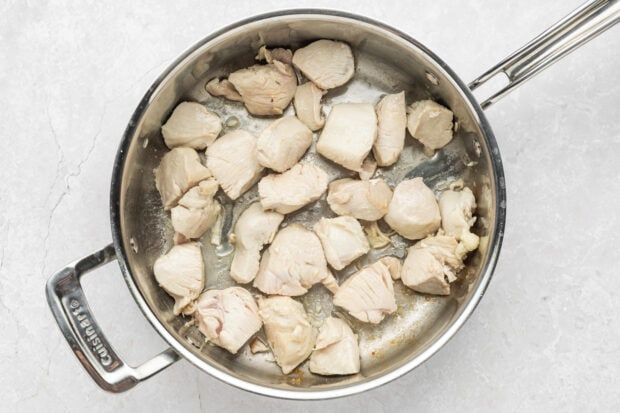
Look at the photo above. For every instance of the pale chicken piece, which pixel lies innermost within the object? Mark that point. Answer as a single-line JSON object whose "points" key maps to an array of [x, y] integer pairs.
{"points": [[283, 143], [393, 265], [291, 190], [179, 170], [279, 53], [369, 167], [413, 212], [431, 265], [456, 209], [254, 229], [336, 351], [217, 87], [228, 318], [430, 123], [348, 135], [232, 160], [265, 89], [327, 63], [307, 102], [288, 330], [197, 210], [257, 346], [368, 295], [293, 263], [391, 128], [191, 125], [367, 200], [343, 240], [181, 273]]}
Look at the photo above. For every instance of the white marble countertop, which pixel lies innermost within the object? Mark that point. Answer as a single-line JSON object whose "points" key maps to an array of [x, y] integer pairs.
{"points": [[545, 336]]}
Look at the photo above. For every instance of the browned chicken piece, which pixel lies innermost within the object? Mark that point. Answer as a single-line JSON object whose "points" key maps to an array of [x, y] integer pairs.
{"points": [[232, 160], [413, 212], [181, 273], [283, 143], [179, 170], [368, 295], [327, 63], [430, 123], [367, 200], [336, 351], [307, 103], [265, 89], [392, 125], [431, 265], [191, 125], [288, 330]]}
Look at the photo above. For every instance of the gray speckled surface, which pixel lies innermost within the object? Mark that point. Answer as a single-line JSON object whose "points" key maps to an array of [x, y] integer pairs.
{"points": [[545, 336]]}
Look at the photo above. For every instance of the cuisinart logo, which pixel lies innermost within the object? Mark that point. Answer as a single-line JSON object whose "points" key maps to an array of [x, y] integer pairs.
{"points": [[86, 327]]}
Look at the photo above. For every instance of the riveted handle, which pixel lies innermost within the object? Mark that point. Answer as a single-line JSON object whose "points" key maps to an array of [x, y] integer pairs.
{"points": [[67, 301]]}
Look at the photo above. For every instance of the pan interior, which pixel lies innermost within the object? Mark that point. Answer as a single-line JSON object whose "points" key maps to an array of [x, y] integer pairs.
{"points": [[385, 63]]}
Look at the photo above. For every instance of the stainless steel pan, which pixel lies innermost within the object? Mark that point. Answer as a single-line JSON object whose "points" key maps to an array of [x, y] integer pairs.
{"points": [[387, 61]]}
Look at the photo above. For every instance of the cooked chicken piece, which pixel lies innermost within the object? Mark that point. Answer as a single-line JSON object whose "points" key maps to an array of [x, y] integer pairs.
{"points": [[336, 350], [293, 263], [181, 273], [257, 346], [430, 123], [179, 170], [326, 63], [367, 200], [197, 210], [228, 318], [431, 265], [369, 167], [393, 265], [348, 135], [253, 230], [368, 295], [307, 103], [291, 190], [376, 237], [191, 125], [391, 125], [343, 240], [217, 87], [265, 89], [289, 332], [413, 212], [456, 208], [232, 160], [269, 55], [283, 143]]}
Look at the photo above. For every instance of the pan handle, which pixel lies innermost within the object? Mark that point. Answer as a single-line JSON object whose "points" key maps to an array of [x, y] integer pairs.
{"points": [[74, 317], [583, 24]]}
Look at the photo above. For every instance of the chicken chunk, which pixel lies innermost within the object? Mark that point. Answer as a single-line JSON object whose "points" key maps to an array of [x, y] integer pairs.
{"points": [[413, 212], [228, 318], [430, 123], [191, 125], [326, 63], [291, 190], [348, 135], [343, 240], [254, 229], [265, 89], [197, 210], [307, 103], [269, 55], [431, 265], [179, 170], [393, 265], [336, 351], [369, 167], [456, 209], [181, 273], [367, 200], [283, 143], [232, 160], [368, 295], [217, 87], [293, 263], [391, 125], [288, 330]]}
